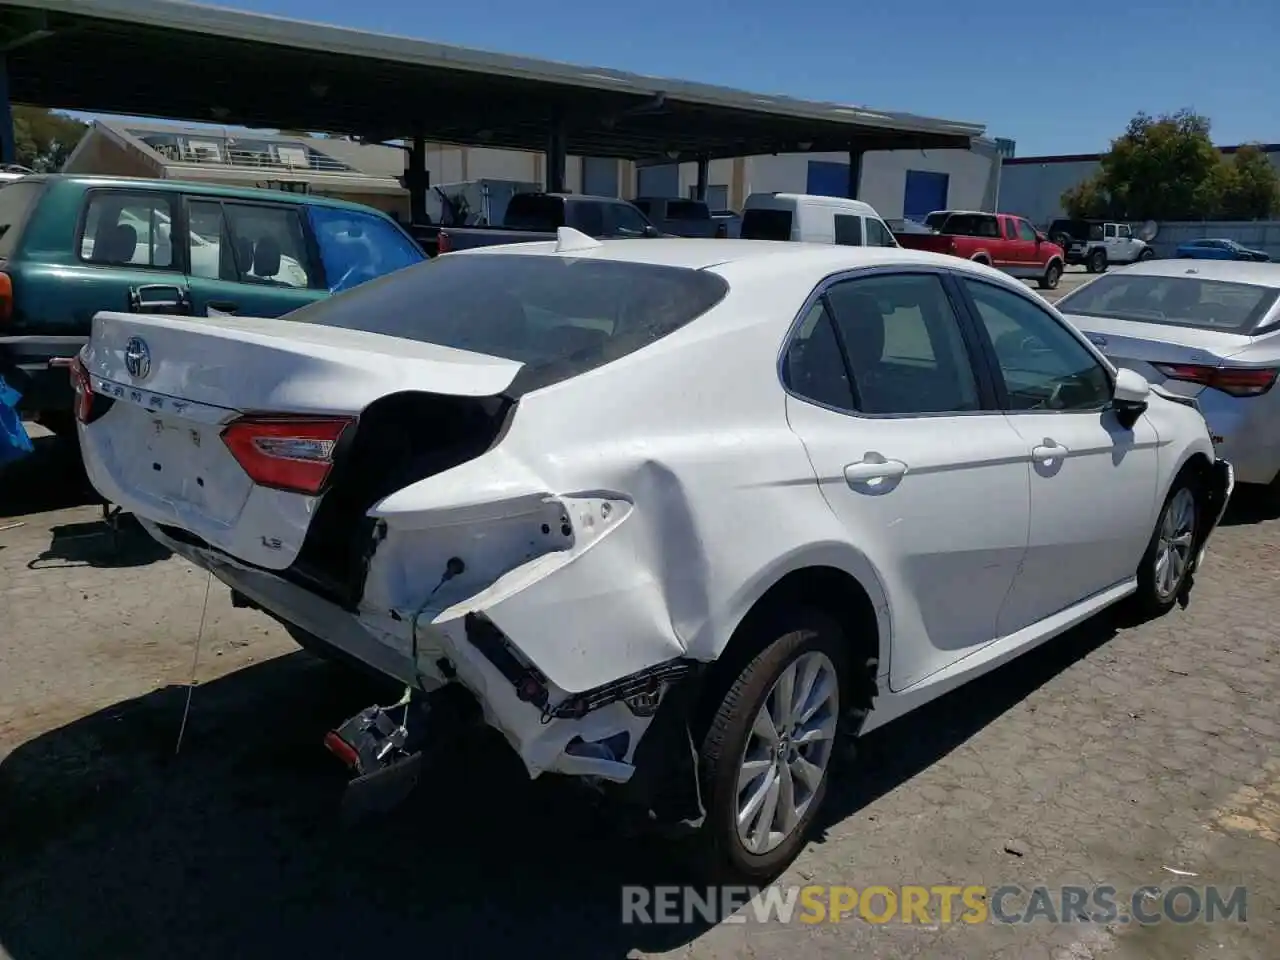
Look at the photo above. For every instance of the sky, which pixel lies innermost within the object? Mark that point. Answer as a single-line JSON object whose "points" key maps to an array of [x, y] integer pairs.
{"points": [[1055, 77]]}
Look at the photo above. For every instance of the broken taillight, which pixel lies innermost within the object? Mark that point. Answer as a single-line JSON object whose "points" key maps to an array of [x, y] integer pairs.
{"points": [[1236, 381], [286, 453]]}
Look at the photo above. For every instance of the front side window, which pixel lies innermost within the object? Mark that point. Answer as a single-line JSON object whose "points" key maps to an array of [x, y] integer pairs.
{"points": [[1044, 366], [904, 346], [270, 245], [559, 316], [627, 221], [128, 228], [1026, 231], [878, 234], [356, 247]]}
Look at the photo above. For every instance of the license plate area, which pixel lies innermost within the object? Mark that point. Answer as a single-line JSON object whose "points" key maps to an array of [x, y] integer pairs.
{"points": [[180, 462]]}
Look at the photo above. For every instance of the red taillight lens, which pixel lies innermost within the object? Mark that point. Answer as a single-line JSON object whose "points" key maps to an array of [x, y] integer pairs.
{"points": [[1236, 381], [286, 453], [83, 390], [444, 243], [6, 297]]}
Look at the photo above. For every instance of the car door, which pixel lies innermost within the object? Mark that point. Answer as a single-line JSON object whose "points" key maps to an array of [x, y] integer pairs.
{"points": [[1030, 248], [249, 259], [126, 243], [623, 220], [927, 477], [1092, 481]]}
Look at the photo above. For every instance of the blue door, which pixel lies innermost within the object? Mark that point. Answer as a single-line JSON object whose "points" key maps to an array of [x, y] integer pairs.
{"points": [[663, 181], [599, 177], [925, 192], [828, 179]]}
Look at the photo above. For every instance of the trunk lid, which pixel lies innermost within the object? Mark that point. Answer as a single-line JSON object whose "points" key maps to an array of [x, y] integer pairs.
{"points": [[161, 447], [1137, 345]]}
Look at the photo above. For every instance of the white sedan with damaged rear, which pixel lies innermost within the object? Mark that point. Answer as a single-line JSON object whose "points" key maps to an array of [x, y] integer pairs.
{"points": [[676, 517]]}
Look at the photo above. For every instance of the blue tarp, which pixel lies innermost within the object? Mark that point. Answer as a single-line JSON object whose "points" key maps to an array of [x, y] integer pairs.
{"points": [[14, 442]]}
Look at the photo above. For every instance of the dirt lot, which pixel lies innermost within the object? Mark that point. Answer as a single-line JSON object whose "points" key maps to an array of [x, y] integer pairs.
{"points": [[1106, 757]]}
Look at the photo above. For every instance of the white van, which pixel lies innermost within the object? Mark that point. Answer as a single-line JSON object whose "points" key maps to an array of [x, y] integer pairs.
{"points": [[805, 218]]}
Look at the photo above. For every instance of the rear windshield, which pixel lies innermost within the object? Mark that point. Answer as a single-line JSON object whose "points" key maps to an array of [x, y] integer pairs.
{"points": [[971, 225], [1180, 301], [532, 211], [687, 210], [766, 225], [17, 200], [558, 316]]}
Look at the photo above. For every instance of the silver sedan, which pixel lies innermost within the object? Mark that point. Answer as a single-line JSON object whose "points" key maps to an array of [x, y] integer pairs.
{"points": [[1205, 329]]}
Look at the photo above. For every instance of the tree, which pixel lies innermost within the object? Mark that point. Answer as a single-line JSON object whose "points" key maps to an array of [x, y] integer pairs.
{"points": [[1167, 168], [1250, 187], [44, 139]]}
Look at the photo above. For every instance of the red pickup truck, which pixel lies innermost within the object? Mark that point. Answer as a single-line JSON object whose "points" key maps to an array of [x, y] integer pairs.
{"points": [[1005, 242]]}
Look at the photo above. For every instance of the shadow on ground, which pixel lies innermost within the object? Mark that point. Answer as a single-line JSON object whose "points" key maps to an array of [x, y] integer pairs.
{"points": [[115, 543], [52, 477], [112, 847], [1251, 505]]}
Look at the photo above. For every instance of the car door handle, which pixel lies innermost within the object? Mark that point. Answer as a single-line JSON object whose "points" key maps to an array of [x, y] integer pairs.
{"points": [[867, 470], [222, 306], [1044, 452]]}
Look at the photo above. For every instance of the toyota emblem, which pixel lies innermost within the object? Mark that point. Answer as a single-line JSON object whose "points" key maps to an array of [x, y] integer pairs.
{"points": [[137, 358]]}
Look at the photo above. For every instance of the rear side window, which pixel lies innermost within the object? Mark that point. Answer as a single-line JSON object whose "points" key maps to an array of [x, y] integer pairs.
{"points": [[17, 200], [766, 225], [270, 245], [687, 210], [129, 228], [558, 316], [534, 211], [848, 230]]}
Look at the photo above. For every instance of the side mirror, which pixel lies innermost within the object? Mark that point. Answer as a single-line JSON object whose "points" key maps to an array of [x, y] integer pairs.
{"points": [[1130, 396], [651, 231]]}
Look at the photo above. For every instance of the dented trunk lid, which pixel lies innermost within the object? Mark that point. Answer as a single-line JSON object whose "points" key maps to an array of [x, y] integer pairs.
{"points": [[174, 383]]}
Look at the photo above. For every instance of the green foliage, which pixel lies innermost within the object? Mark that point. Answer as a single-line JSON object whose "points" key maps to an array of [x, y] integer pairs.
{"points": [[44, 139], [1167, 168]]}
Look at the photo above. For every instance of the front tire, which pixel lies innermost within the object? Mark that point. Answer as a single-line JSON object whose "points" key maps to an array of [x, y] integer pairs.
{"points": [[1052, 275], [1147, 254], [766, 758], [1170, 553]]}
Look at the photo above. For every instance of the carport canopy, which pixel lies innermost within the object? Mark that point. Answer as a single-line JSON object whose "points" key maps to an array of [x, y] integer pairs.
{"points": [[158, 58]]}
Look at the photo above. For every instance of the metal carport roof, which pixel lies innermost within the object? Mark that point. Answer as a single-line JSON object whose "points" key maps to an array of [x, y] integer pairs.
{"points": [[161, 58]]}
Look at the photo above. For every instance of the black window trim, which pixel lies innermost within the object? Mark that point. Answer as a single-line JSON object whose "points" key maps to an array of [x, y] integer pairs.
{"points": [[988, 400], [994, 374], [178, 225], [315, 267]]}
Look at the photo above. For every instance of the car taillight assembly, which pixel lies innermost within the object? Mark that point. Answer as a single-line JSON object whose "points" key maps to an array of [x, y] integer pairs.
{"points": [[1236, 381], [6, 297], [286, 453], [83, 390], [444, 243]]}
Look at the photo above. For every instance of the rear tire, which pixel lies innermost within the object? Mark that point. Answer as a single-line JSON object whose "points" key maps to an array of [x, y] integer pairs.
{"points": [[754, 765], [1170, 552], [1147, 254], [1052, 275], [1097, 262]]}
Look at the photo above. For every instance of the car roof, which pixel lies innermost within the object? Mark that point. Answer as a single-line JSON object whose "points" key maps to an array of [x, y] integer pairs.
{"points": [[204, 187], [1235, 271], [726, 255]]}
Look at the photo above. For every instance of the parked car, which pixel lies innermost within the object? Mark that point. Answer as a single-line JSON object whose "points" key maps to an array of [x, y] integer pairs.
{"points": [[71, 246], [537, 216], [533, 477], [680, 218], [1212, 332], [1008, 243], [1098, 243], [805, 218], [1219, 249]]}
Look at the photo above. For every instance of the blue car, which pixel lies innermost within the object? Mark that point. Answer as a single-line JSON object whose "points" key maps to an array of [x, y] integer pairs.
{"points": [[1214, 249]]}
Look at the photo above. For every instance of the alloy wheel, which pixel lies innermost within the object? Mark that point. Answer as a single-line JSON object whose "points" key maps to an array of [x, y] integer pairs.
{"points": [[1173, 547]]}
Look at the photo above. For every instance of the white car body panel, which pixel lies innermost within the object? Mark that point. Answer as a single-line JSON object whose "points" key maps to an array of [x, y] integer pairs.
{"points": [[634, 514]]}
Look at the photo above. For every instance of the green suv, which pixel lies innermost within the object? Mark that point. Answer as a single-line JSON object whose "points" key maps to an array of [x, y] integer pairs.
{"points": [[73, 245]]}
